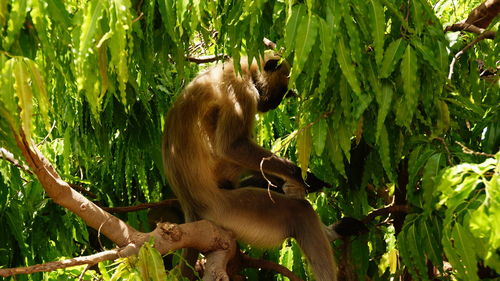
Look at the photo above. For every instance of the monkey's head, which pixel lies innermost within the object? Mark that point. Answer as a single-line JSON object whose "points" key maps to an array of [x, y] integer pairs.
{"points": [[272, 82]]}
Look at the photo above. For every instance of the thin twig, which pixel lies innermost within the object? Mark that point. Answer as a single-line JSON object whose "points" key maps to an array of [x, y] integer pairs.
{"points": [[448, 153], [126, 251], [8, 156], [207, 59], [385, 211], [48, 134], [269, 183], [168, 202], [83, 272], [467, 150], [482, 36]]}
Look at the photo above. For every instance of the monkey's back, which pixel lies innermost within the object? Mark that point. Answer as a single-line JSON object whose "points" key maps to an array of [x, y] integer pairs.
{"points": [[191, 139]]}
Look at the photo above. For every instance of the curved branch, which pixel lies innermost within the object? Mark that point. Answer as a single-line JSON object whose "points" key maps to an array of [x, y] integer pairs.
{"points": [[203, 235]]}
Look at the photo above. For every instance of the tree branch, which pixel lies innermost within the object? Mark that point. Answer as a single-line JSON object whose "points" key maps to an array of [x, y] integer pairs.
{"points": [[203, 235], [386, 211], [126, 251], [461, 52], [127, 209], [207, 59]]}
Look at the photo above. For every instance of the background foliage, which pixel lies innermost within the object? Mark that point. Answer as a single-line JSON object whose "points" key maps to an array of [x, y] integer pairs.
{"points": [[90, 82]]}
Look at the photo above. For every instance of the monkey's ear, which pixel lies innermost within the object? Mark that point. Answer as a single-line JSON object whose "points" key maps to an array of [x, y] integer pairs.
{"points": [[271, 65]]}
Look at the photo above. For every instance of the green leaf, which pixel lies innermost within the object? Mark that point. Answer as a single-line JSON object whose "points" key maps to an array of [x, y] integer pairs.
{"points": [[17, 15], [335, 151], [384, 150], [463, 241], [305, 40], [384, 100], [429, 179], [378, 30], [327, 38], [392, 56], [304, 147], [430, 237], [294, 19], [24, 93], [319, 132], [352, 31], [408, 102], [348, 69]]}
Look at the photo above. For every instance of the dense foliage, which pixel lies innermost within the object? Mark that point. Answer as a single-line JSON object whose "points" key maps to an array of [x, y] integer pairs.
{"points": [[376, 116]]}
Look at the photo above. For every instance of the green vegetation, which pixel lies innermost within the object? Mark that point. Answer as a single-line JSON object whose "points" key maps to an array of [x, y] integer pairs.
{"points": [[384, 113]]}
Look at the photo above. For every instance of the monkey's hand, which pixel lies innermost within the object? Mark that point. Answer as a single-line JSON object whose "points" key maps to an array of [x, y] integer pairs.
{"points": [[293, 189], [345, 227], [314, 183]]}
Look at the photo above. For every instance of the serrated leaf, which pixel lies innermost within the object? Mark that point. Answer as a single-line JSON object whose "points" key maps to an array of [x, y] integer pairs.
{"points": [[24, 93], [392, 56], [41, 92], [384, 150], [352, 32], [417, 16], [305, 40], [120, 21], [416, 249], [319, 132], [326, 46], [463, 240], [408, 103], [378, 30], [430, 173], [384, 100], [348, 69], [428, 55], [298, 12], [17, 15], [344, 139], [335, 152], [304, 147], [443, 118], [428, 235]]}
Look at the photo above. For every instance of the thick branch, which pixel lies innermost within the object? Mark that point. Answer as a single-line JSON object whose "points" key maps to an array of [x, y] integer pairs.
{"points": [[201, 235], [463, 26], [483, 14], [60, 191]]}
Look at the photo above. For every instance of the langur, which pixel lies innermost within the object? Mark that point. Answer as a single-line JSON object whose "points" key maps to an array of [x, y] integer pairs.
{"points": [[207, 145]]}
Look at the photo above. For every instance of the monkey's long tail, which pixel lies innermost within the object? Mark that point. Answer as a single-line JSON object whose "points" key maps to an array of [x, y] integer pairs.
{"points": [[314, 243]]}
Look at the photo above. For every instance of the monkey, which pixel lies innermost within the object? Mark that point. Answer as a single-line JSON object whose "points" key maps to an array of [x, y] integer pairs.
{"points": [[207, 145]]}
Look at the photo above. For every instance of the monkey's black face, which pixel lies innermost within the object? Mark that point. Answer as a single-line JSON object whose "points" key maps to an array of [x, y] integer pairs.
{"points": [[271, 99], [273, 86]]}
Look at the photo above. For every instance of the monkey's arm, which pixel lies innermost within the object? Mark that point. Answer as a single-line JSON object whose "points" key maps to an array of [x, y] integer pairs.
{"points": [[249, 155]]}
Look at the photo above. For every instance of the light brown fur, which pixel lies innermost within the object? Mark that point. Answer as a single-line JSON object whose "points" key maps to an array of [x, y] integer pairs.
{"points": [[207, 143]]}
